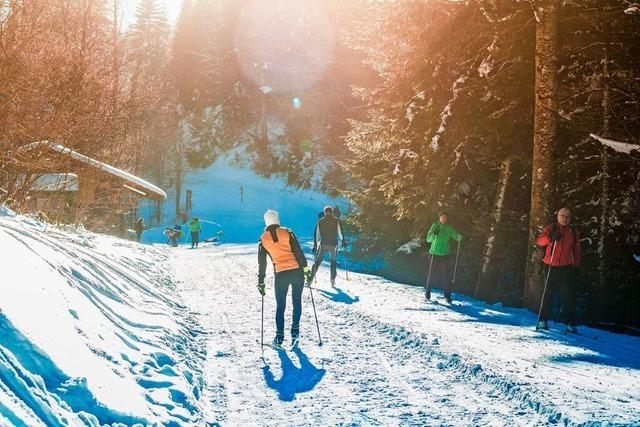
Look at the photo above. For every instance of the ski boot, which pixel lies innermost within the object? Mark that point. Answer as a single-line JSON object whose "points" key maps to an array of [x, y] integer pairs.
{"points": [[295, 337], [277, 341], [542, 324], [427, 294], [447, 298]]}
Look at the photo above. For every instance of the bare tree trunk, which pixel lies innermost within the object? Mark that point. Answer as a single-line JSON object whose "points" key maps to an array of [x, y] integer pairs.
{"points": [[544, 133], [179, 174], [604, 178], [264, 131], [159, 169], [498, 208], [115, 40], [263, 146]]}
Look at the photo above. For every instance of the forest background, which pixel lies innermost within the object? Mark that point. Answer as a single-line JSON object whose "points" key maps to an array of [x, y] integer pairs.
{"points": [[494, 111]]}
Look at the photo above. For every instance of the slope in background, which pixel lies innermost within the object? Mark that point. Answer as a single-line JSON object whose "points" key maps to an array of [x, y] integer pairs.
{"points": [[217, 201]]}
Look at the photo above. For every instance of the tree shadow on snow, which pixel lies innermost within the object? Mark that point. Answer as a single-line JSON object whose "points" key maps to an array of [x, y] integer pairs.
{"points": [[605, 348], [600, 358], [487, 314], [339, 296], [294, 379]]}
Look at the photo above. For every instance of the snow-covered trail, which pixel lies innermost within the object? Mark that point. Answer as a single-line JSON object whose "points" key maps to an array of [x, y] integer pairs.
{"points": [[371, 370]]}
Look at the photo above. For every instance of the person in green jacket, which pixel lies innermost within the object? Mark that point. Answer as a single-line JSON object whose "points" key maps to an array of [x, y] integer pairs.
{"points": [[439, 236], [195, 229]]}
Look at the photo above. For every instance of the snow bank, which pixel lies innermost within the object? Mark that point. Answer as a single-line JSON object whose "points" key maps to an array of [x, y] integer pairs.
{"points": [[92, 332]]}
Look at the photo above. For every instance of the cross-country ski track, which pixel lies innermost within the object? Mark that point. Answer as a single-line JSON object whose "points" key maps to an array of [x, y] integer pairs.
{"points": [[390, 358]]}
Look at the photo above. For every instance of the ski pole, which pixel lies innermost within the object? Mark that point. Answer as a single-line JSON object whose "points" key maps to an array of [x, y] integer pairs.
{"points": [[315, 256], [315, 278], [346, 270], [426, 288], [546, 281], [455, 267], [475, 294], [262, 327], [316, 316]]}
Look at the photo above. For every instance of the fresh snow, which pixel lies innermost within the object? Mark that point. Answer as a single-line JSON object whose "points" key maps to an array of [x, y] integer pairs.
{"points": [[217, 200], [55, 182], [447, 111], [92, 331], [620, 147], [97, 330], [389, 358], [411, 246], [97, 164], [633, 9]]}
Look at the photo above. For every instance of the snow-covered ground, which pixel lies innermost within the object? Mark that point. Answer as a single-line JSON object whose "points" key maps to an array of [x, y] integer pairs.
{"points": [[92, 332], [389, 358], [231, 198], [100, 331]]}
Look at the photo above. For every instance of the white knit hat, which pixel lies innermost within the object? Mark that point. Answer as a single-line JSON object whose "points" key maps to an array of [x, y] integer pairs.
{"points": [[271, 217]]}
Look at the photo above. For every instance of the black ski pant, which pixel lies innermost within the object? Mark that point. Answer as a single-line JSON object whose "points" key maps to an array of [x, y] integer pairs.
{"points": [[562, 284], [333, 252], [295, 278], [195, 238], [440, 274]]}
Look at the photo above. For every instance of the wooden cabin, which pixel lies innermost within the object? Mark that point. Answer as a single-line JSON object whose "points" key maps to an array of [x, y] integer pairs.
{"points": [[69, 187]]}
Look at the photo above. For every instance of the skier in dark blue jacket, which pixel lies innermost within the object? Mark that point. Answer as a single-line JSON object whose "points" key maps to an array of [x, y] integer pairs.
{"points": [[328, 230]]}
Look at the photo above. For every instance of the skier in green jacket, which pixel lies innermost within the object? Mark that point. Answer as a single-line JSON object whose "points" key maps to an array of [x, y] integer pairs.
{"points": [[195, 228], [439, 236]]}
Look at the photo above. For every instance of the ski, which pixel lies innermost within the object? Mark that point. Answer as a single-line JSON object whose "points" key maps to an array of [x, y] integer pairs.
{"points": [[277, 347], [443, 303], [271, 346], [564, 333], [294, 344]]}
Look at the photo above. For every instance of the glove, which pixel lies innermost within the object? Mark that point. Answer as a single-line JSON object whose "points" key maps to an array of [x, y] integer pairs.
{"points": [[436, 231], [344, 243], [307, 274], [555, 236], [261, 288]]}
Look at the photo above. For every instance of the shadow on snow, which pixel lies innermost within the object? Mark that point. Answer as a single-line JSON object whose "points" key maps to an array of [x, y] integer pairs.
{"points": [[294, 380], [29, 373], [339, 296], [604, 347]]}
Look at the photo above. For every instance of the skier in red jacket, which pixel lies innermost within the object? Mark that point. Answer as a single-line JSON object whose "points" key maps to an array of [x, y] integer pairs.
{"points": [[562, 258]]}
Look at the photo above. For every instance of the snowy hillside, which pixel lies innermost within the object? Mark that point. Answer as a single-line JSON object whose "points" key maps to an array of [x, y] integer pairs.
{"points": [[232, 198], [92, 332]]}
